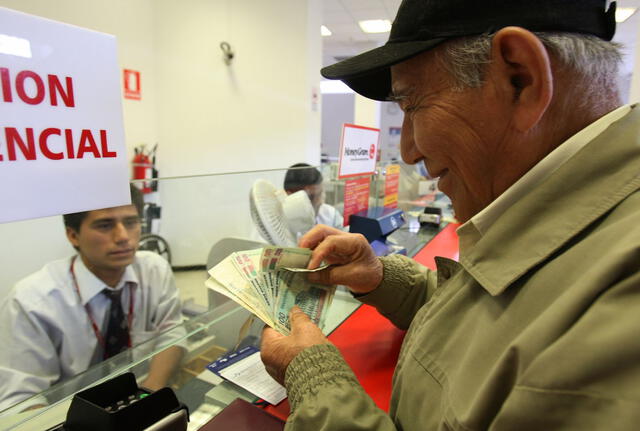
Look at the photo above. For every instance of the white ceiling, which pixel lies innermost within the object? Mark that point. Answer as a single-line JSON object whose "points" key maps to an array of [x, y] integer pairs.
{"points": [[342, 16]]}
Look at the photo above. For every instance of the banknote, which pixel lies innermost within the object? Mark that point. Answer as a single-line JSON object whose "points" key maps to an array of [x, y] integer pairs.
{"points": [[214, 285], [248, 264], [275, 258], [268, 261], [226, 274], [271, 280], [313, 299]]}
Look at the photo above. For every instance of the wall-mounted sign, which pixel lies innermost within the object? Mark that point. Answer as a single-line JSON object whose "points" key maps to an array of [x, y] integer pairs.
{"points": [[358, 149], [356, 197], [391, 182], [61, 135], [132, 86]]}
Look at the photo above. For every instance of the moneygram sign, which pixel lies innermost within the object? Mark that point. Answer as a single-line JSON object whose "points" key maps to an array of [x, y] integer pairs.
{"points": [[358, 149], [61, 135]]}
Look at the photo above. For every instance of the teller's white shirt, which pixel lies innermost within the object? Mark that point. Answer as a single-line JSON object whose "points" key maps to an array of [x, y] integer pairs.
{"points": [[45, 331], [330, 216]]}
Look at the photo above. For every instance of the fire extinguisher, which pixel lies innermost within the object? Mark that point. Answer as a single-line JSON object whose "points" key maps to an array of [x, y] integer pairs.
{"points": [[142, 169]]}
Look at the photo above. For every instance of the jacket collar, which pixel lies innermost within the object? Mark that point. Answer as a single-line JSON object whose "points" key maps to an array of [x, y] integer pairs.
{"points": [[593, 181]]}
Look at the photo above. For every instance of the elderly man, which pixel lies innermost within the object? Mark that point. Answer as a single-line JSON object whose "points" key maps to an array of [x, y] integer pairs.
{"points": [[514, 105]]}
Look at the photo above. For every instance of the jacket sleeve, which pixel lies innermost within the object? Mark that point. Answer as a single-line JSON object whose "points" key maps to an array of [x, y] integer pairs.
{"points": [[406, 286], [324, 394]]}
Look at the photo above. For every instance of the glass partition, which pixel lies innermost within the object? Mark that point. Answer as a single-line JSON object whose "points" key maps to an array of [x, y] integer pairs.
{"points": [[193, 223]]}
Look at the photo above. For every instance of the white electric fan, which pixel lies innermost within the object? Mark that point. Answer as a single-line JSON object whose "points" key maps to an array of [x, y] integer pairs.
{"points": [[280, 219]]}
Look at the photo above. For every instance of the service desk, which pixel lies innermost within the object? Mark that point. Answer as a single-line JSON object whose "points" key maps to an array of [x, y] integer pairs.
{"points": [[207, 336]]}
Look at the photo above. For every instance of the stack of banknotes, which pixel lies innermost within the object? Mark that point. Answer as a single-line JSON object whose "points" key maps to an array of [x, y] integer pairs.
{"points": [[269, 281]]}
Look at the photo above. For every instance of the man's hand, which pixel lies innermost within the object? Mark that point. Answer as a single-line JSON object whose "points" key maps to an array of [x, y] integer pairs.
{"points": [[277, 350], [354, 264]]}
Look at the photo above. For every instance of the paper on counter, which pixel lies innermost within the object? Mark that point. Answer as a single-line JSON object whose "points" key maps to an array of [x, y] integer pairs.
{"points": [[245, 369]]}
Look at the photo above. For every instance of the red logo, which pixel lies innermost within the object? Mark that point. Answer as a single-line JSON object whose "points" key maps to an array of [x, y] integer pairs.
{"points": [[372, 151], [132, 88]]}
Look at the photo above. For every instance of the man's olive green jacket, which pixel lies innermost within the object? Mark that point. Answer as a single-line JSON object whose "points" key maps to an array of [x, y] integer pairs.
{"points": [[537, 327]]}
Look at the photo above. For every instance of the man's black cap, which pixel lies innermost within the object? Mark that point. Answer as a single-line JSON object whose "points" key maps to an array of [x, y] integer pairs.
{"points": [[423, 24]]}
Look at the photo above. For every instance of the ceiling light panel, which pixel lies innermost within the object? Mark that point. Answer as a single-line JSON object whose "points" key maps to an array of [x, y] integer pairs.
{"points": [[375, 25], [623, 13]]}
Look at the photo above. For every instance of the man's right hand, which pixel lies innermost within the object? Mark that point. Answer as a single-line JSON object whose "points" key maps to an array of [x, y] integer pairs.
{"points": [[353, 262]]}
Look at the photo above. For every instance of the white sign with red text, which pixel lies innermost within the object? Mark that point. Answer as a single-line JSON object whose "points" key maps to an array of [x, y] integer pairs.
{"points": [[358, 149], [62, 143]]}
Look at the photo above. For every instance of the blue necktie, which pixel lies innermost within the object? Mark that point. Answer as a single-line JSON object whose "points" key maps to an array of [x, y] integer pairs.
{"points": [[117, 337]]}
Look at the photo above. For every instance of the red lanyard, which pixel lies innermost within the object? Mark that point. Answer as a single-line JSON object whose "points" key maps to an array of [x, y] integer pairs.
{"points": [[96, 330]]}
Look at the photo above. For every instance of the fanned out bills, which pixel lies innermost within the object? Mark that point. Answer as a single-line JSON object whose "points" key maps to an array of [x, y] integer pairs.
{"points": [[269, 281]]}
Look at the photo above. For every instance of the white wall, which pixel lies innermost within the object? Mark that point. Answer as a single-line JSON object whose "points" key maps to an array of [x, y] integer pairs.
{"points": [[337, 109], [313, 53], [206, 117], [256, 113], [367, 112]]}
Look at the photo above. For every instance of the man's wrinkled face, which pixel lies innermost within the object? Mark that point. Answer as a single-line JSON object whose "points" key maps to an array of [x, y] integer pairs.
{"points": [[108, 238], [458, 135]]}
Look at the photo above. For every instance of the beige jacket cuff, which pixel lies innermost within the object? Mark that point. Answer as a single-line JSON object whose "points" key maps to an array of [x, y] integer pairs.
{"points": [[397, 281], [313, 368]]}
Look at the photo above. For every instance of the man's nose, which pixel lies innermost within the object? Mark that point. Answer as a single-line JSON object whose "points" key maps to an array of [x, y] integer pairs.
{"points": [[120, 232]]}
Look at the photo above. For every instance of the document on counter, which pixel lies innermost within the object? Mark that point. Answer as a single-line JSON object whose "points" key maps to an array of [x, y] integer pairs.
{"points": [[245, 369]]}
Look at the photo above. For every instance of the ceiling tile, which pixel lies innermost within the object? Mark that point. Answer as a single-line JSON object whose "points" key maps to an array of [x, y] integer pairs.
{"points": [[371, 13], [362, 4], [337, 18], [332, 6]]}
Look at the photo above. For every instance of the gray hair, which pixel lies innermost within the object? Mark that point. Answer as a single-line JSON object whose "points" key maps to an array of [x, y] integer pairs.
{"points": [[586, 55]]}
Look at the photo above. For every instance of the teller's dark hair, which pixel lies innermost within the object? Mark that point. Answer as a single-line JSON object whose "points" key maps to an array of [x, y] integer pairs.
{"points": [[301, 175], [74, 220]]}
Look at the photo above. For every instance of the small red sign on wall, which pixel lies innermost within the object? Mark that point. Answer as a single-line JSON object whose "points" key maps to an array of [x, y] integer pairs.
{"points": [[132, 88], [356, 197]]}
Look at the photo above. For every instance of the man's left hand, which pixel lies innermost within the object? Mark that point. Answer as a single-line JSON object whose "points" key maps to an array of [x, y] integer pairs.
{"points": [[277, 350]]}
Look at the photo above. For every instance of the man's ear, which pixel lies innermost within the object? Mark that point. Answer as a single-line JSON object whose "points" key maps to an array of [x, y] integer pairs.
{"points": [[522, 69], [72, 236]]}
